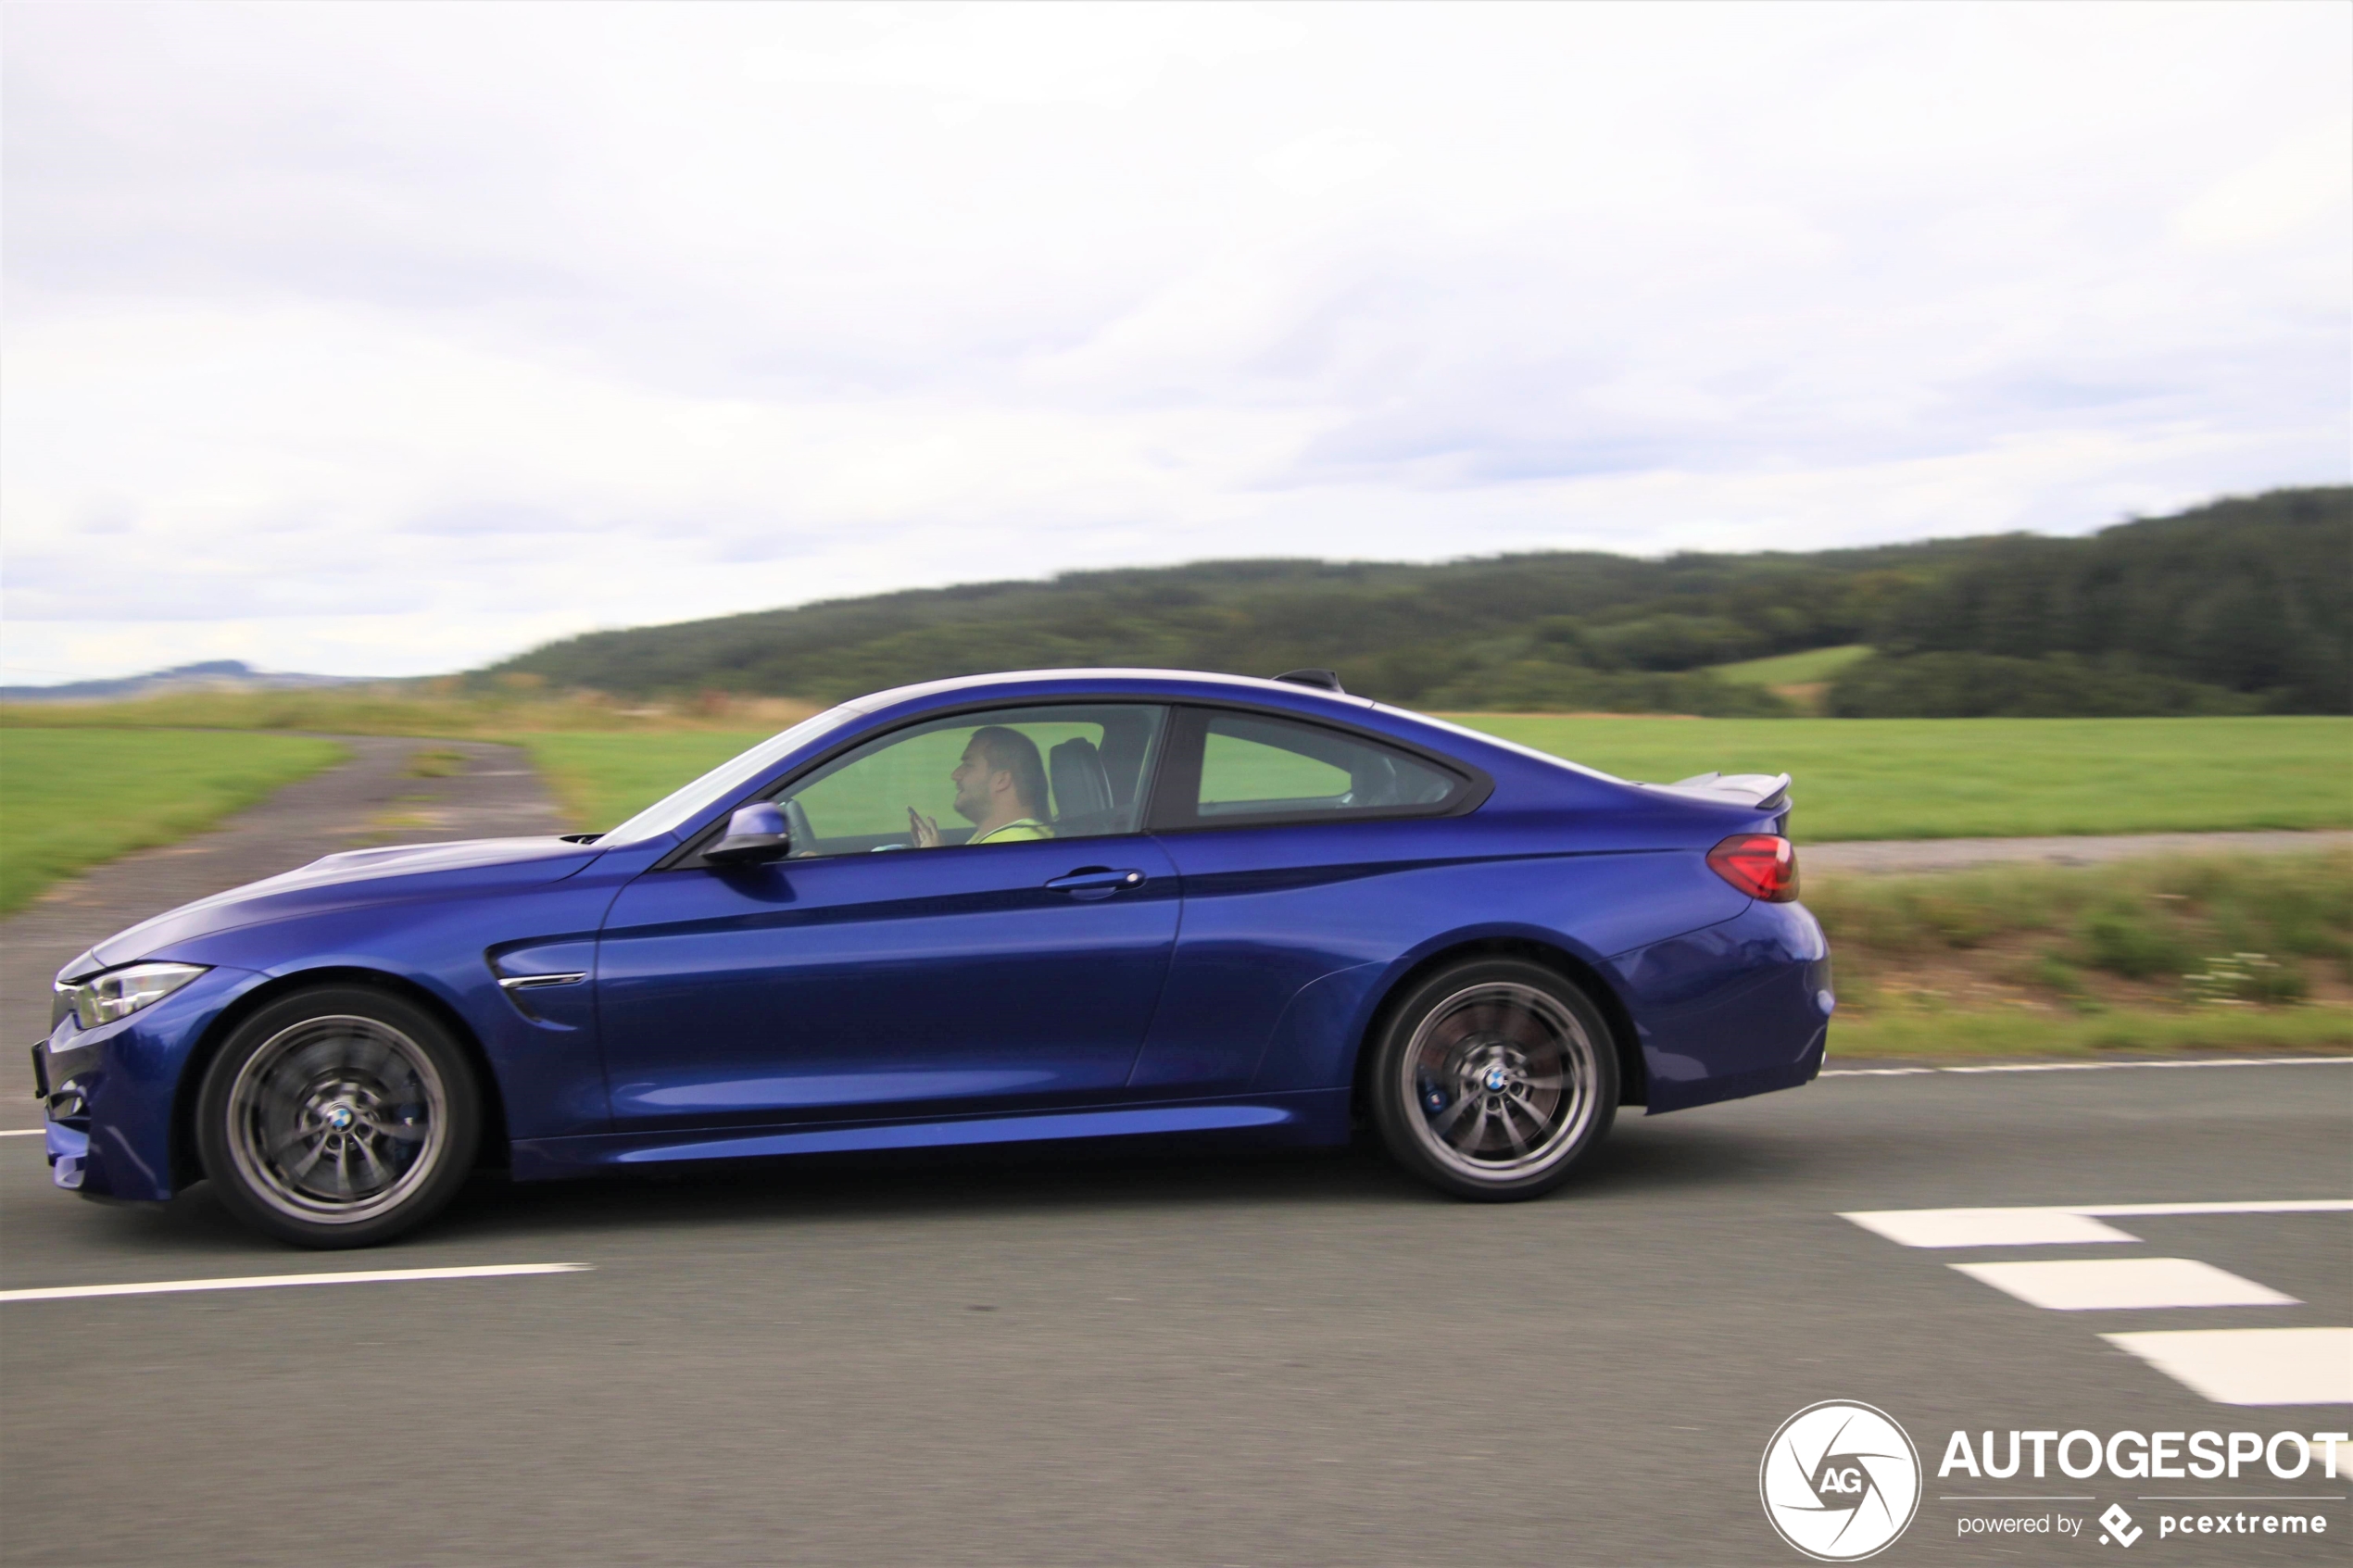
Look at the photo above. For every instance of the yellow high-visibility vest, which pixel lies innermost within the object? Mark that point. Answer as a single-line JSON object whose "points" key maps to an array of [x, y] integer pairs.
{"points": [[1012, 832]]}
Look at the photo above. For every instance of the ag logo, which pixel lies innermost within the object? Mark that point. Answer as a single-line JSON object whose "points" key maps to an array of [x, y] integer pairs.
{"points": [[1840, 1481]]}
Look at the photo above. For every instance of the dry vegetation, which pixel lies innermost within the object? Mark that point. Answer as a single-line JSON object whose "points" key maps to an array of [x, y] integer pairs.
{"points": [[513, 705], [2201, 952]]}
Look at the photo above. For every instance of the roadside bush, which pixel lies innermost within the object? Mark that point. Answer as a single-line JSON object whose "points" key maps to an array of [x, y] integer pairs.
{"points": [[2157, 920], [1983, 685], [2130, 942], [1532, 685]]}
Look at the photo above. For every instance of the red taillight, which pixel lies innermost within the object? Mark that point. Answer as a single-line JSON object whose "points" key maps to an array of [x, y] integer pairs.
{"points": [[1763, 865]]}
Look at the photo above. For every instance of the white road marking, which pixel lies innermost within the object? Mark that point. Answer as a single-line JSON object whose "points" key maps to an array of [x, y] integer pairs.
{"points": [[270, 1282], [2256, 1206], [2203, 1061], [2092, 1285], [1987, 1227], [2084, 1066], [2110, 1066], [21, 1132], [2057, 1225], [2252, 1366]]}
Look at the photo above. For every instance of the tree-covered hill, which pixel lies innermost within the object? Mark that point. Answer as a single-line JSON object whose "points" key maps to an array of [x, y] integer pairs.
{"points": [[2250, 596], [2244, 604]]}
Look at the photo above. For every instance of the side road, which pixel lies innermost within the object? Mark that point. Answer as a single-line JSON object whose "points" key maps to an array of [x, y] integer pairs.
{"points": [[374, 798]]}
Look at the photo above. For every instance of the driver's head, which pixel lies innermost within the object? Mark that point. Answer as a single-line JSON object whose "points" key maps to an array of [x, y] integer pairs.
{"points": [[1001, 777]]}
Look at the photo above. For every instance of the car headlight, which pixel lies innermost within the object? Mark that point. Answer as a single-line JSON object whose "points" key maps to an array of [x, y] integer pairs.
{"points": [[118, 993]]}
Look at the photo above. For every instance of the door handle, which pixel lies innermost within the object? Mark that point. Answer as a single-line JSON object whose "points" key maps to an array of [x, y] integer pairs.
{"points": [[1096, 881]]}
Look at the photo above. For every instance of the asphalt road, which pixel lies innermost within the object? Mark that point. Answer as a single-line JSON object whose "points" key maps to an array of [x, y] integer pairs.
{"points": [[1091, 1357]]}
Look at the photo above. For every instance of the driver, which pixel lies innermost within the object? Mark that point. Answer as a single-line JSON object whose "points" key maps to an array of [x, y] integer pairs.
{"points": [[1001, 789]]}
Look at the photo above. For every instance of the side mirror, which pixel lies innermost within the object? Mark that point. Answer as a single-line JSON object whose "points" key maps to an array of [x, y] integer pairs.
{"points": [[754, 834]]}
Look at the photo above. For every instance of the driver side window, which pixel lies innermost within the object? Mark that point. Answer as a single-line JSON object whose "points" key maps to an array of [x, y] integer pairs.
{"points": [[1007, 776]]}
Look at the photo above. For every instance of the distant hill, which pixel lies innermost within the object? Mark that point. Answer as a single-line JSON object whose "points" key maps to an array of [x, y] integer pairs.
{"points": [[2245, 605], [214, 675]]}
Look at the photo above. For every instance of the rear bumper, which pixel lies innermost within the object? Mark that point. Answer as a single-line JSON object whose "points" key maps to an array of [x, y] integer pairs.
{"points": [[1738, 1009]]}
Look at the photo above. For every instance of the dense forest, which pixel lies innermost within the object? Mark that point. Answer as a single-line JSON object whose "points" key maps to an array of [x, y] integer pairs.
{"points": [[2242, 606]]}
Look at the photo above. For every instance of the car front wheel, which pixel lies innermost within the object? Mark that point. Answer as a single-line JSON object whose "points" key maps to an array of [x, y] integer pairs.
{"points": [[1493, 1078], [338, 1117]]}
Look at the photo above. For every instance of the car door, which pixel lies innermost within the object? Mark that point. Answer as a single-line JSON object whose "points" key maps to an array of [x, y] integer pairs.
{"points": [[865, 977], [1292, 838]]}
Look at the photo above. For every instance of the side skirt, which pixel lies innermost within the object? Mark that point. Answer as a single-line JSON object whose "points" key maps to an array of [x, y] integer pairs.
{"points": [[1309, 1117]]}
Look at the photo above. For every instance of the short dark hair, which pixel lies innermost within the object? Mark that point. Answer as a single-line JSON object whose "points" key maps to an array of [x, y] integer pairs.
{"points": [[1010, 751]]}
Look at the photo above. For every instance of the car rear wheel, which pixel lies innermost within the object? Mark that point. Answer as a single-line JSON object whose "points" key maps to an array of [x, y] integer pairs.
{"points": [[1493, 1078], [338, 1118]]}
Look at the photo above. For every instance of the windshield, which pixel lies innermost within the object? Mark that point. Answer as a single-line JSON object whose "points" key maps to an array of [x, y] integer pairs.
{"points": [[674, 811]]}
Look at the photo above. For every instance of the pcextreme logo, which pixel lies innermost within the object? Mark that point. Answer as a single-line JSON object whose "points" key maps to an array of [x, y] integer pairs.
{"points": [[1840, 1481]]}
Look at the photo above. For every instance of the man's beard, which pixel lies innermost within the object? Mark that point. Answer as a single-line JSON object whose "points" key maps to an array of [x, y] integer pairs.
{"points": [[971, 807]]}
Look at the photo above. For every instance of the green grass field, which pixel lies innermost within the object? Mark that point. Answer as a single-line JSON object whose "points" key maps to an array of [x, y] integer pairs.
{"points": [[603, 779], [1989, 778], [1855, 778], [73, 798], [1791, 669]]}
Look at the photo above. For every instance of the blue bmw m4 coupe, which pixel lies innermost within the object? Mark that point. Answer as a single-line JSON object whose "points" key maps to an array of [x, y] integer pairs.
{"points": [[1063, 904]]}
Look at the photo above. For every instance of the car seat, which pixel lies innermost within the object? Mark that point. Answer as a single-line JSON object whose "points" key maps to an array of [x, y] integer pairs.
{"points": [[1082, 790]]}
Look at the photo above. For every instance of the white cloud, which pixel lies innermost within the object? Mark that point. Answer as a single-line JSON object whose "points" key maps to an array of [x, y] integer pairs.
{"points": [[376, 339]]}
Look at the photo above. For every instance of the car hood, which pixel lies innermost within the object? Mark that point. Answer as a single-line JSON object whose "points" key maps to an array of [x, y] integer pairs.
{"points": [[356, 876]]}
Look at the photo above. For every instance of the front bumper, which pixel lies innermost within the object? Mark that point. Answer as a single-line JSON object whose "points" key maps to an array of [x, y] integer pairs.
{"points": [[110, 1095], [65, 1118]]}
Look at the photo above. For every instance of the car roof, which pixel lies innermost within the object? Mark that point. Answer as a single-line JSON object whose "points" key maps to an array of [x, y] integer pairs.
{"points": [[1475, 747], [1174, 683]]}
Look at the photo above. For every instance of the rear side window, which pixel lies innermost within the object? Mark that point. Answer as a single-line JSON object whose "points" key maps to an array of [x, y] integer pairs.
{"points": [[1254, 768]]}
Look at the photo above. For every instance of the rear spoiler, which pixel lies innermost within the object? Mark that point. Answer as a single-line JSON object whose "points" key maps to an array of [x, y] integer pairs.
{"points": [[1764, 792]]}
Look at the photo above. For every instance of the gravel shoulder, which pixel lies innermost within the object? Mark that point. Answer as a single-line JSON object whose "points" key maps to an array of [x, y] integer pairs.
{"points": [[1897, 856], [374, 798]]}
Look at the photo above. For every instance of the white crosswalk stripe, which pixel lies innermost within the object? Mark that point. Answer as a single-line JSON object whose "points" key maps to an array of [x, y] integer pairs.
{"points": [[2252, 1366], [2288, 1365]]}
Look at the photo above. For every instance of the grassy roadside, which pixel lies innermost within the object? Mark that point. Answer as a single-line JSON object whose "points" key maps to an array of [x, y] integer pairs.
{"points": [[601, 780], [70, 799], [2167, 955], [1965, 1037]]}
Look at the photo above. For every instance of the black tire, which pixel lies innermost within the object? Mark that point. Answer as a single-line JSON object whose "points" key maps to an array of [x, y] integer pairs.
{"points": [[338, 1117], [1493, 1078]]}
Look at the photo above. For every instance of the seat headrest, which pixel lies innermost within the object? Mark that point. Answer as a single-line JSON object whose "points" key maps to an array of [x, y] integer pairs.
{"points": [[1081, 787]]}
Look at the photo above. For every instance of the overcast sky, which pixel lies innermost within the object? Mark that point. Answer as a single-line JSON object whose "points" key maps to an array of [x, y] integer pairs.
{"points": [[387, 340]]}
